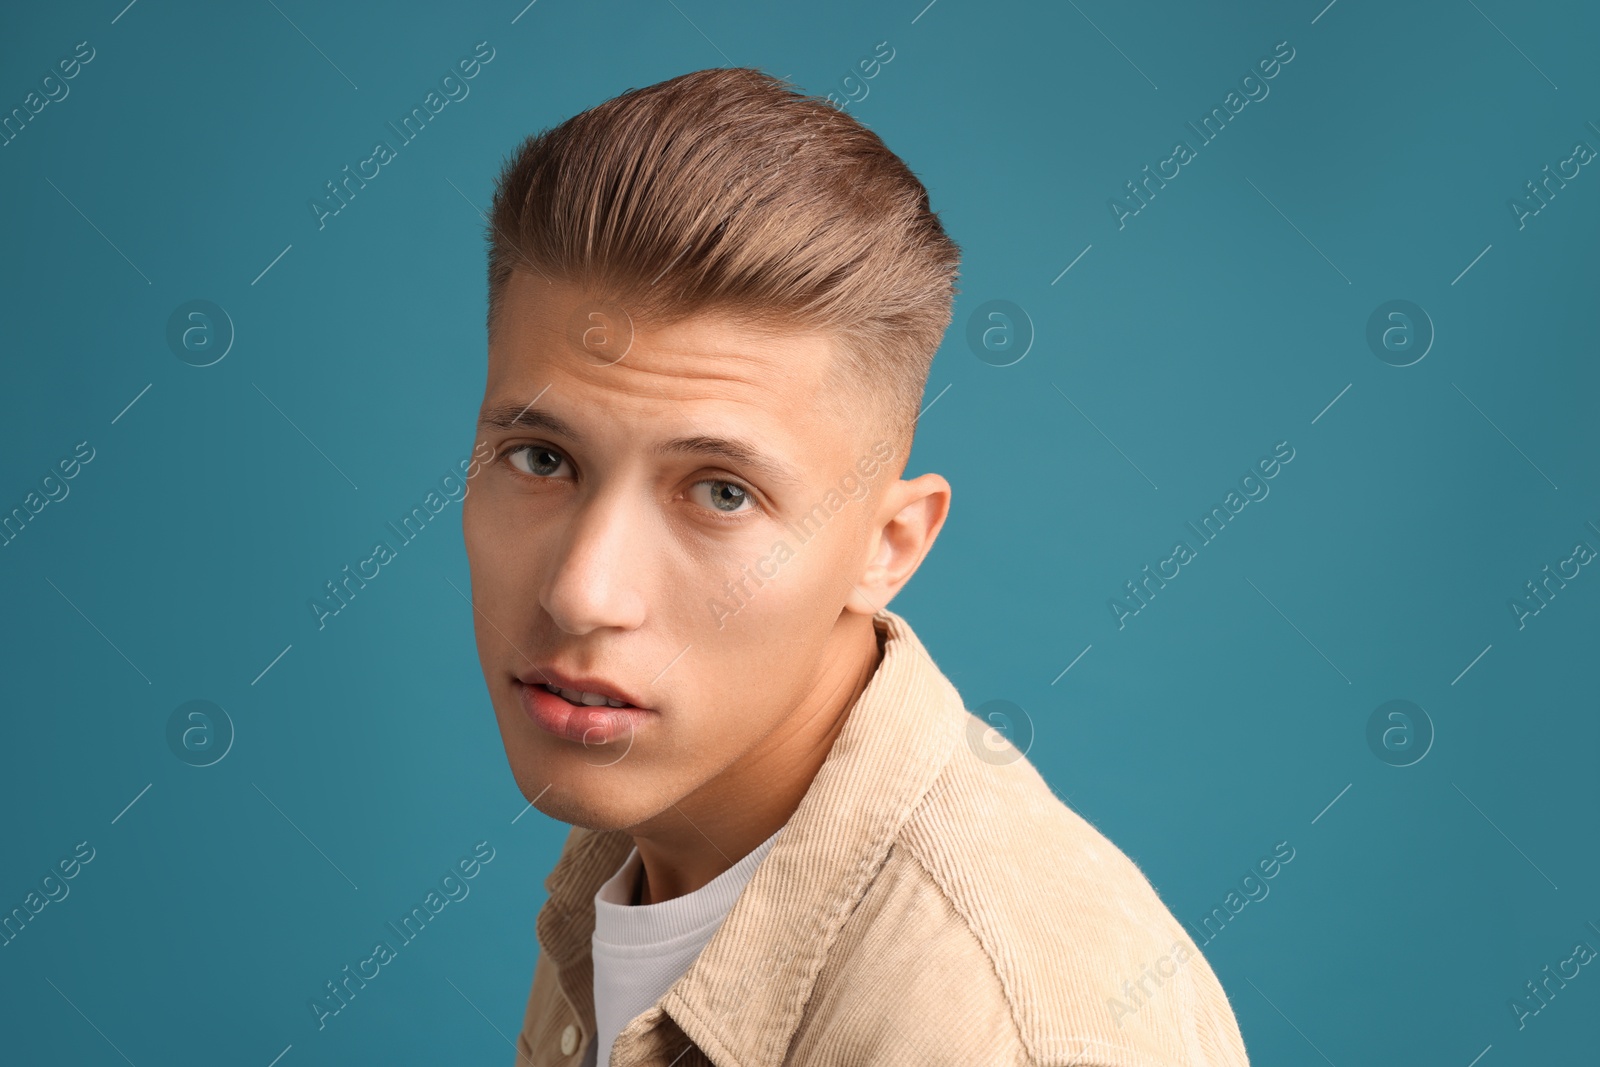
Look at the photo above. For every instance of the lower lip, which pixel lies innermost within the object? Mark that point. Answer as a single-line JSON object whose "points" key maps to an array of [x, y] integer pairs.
{"points": [[591, 725]]}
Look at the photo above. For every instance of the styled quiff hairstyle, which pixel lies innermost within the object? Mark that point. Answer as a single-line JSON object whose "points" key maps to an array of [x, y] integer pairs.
{"points": [[726, 191]]}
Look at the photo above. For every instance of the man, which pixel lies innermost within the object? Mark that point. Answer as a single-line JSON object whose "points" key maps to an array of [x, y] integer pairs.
{"points": [[713, 303]]}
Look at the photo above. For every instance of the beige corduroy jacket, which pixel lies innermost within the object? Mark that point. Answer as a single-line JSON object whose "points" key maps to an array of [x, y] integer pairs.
{"points": [[930, 902]]}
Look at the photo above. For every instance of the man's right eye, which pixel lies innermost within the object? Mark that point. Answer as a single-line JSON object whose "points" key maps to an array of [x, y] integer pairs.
{"points": [[535, 460]]}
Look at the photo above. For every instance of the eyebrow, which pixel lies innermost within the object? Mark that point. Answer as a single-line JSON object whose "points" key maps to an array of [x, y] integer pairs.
{"points": [[739, 453]]}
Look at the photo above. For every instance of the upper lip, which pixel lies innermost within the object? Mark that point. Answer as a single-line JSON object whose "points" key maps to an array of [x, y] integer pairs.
{"points": [[582, 683]]}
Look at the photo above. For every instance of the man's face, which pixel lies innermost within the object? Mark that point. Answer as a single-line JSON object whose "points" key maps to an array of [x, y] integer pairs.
{"points": [[676, 574]]}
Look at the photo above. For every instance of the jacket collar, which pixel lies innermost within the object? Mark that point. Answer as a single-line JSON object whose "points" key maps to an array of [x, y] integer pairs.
{"points": [[741, 999]]}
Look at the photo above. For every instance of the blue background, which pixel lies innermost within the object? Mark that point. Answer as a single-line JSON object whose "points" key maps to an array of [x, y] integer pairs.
{"points": [[1226, 316]]}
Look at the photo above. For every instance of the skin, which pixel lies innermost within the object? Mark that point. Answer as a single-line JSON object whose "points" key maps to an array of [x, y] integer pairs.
{"points": [[603, 558]]}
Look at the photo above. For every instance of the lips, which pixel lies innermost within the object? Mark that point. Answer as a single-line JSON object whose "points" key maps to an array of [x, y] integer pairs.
{"points": [[590, 725], [579, 683]]}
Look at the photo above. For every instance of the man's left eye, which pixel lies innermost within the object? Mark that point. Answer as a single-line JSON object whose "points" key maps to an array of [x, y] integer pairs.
{"points": [[727, 498]]}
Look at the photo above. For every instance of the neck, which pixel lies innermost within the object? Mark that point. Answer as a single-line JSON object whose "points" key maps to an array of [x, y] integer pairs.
{"points": [[707, 832]]}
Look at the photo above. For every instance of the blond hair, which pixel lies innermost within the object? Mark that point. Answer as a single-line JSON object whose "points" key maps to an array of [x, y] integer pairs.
{"points": [[727, 191]]}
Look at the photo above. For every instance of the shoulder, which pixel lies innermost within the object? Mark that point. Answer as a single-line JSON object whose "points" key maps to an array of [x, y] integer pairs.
{"points": [[1046, 934], [907, 982]]}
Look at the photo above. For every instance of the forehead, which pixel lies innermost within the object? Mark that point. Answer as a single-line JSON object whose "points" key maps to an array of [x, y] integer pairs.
{"points": [[591, 357]]}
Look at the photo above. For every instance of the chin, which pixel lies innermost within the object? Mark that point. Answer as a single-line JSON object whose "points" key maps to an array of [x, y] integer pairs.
{"points": [[597, 818], [589, 803]]}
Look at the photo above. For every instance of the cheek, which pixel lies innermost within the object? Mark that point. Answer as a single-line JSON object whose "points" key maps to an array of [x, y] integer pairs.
{"points": [[502, 532], [780, 586], [485, 555], [474, 529], [503, 557]]}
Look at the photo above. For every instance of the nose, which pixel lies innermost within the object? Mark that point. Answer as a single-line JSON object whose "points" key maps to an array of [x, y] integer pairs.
{"points": [[593, 581]]}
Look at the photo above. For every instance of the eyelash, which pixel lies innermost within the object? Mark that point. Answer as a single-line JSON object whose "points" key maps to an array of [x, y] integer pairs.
{"points": [[723, 517]]}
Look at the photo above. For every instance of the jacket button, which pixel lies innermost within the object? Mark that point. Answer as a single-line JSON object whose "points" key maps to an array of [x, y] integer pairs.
{"points": [[569, 1039]]}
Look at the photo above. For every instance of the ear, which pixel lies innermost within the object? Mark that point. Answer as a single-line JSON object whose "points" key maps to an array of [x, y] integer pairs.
{"points": [[908, 520]]}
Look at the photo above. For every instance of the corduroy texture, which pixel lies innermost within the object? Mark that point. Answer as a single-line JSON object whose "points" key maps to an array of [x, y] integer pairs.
{"points": [[923, 906], [640, 950]]}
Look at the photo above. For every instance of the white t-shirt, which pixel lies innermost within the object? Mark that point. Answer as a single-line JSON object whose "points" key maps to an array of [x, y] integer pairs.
{"points": [[640, 950]]}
